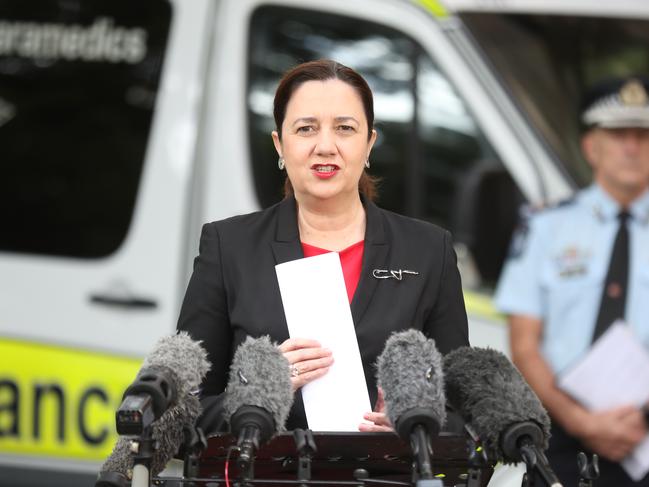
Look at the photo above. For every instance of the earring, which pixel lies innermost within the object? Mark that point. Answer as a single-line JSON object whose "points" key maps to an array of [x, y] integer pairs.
{"points": [[367, 163], [280, 163]]}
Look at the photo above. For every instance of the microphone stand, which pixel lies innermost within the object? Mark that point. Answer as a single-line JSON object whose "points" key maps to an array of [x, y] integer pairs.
{"points": [[418, 424], [422, 451], [195, 443], [306, 448], [422, 469], [520, 442], [252, 425], [248, 444], [535, 460], [588, 471], [477, 460], [143, 449]]}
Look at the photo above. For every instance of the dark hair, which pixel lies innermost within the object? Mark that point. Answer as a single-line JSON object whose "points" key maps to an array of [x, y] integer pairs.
{"points": [[323, 70]]}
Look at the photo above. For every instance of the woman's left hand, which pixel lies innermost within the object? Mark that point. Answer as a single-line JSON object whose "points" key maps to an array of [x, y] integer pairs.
{"points": [[379, 419]]}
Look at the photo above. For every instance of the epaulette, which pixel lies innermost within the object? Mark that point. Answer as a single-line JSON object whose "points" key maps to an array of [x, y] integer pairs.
{"points": [[554, 205], [566, 201]]}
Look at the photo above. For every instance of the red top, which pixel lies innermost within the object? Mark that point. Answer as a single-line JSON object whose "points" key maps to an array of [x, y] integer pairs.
{"points": [[351, 260]]}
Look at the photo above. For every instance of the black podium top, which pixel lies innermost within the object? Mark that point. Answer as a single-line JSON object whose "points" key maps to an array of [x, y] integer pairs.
{"points": [[383, 455]]}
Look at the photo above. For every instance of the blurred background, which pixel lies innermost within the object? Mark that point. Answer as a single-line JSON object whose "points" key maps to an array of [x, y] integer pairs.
{"points": [[126, 125]]}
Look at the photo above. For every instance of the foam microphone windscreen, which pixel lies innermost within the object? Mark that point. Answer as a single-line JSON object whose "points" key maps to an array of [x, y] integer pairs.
{"points": [[491, 395], [410, 374], [259, 376]]}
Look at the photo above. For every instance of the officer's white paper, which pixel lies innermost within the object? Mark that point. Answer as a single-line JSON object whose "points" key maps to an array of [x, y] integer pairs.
{"points": [[614, 373], [316, 306]]}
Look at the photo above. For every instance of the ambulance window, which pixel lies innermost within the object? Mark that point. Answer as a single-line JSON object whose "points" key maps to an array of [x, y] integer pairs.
{"points": [[433, 161], [570, 54], [78, 83]]}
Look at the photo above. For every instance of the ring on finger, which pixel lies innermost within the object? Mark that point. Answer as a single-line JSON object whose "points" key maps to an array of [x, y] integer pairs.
{"points": [[295, 370]]}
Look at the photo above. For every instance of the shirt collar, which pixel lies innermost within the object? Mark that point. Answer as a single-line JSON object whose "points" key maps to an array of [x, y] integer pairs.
{"points": [[640, 208], [606, 208]]}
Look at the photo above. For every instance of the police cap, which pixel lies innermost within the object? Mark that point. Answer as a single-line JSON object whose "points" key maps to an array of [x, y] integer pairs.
{"points": [[617, 103]]}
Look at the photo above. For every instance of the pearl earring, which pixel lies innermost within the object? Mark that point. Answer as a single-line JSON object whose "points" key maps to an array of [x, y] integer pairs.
{"points": [[280, 163]]}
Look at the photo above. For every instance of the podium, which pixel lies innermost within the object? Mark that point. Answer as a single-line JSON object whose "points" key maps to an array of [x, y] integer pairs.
{"points": [[344, 458]]}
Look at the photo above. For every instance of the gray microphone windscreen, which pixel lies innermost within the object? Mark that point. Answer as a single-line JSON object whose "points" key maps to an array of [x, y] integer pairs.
{"points": [[410, 374], [185, 362], [491, 395], [169, 430], [259, 376], [121, 459], [184, 357], [169, 434]]}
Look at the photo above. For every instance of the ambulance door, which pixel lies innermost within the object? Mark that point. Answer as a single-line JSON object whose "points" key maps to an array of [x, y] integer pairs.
{"points": [[98, 114]]}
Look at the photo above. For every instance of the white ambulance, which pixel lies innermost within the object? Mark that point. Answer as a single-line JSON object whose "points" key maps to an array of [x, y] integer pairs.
{"points": [[126, 125]]}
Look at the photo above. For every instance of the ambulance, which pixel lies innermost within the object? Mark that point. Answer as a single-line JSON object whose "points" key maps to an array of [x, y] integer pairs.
{"points": [[126, 125]]}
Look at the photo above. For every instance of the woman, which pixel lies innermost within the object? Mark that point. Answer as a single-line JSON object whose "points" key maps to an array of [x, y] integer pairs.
{"points": [[324, 117]]}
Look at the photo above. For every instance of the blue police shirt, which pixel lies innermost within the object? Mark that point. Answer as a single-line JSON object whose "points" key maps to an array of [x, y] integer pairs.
{"points": [[557, 266]]}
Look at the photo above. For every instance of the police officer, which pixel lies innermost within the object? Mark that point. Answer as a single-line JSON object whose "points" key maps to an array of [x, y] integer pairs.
{"points": [[575, 268]]}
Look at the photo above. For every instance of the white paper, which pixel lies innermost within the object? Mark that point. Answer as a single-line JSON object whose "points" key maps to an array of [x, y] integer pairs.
{"points": [[615, 372], [316, 306]]}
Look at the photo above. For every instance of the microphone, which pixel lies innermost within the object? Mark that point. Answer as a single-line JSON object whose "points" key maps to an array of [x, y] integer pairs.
{"points": [[168, 434], [491, 395], [410, 374], [259, 396], [145, 400], [162, 390]]}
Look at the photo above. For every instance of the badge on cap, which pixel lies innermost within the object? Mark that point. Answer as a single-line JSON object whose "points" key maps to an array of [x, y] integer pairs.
{"points": [[633, 94], [621, 103]]}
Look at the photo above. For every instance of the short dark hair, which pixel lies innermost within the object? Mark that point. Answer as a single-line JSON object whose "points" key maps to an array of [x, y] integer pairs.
{"points": [[323, 70]]}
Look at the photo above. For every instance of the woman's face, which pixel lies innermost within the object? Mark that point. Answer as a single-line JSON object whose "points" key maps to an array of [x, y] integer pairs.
{"points": [[324, 140]]}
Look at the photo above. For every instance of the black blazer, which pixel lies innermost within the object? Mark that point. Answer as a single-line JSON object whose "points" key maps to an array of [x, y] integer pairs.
{"points": [[233, 291]]}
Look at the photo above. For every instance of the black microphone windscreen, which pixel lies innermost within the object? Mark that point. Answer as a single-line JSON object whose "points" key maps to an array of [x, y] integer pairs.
{"points": [[491, 395], [259, 376], [410, 374]]}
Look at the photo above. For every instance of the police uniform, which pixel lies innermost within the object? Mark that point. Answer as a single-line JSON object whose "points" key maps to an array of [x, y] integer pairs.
{"points": [[557, 267], [558, 264]]}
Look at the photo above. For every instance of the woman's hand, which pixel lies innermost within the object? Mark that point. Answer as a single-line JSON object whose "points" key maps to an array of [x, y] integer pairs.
{"points": [[377, 417], [308, 360]]}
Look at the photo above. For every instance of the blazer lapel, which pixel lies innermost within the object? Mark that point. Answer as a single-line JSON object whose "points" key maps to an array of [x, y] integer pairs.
{"points": [[375, 256], [286, 246]]}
